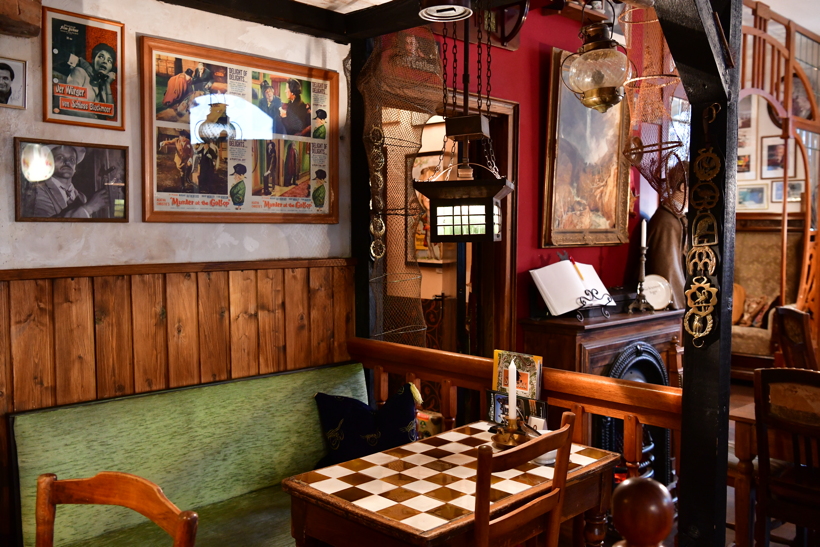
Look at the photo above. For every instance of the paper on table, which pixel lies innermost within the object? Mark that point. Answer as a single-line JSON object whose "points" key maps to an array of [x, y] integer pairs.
{"points": [[561, 286]]}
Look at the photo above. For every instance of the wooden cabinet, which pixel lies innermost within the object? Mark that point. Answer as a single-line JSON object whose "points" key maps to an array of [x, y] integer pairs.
{"points": [[593, 344]]}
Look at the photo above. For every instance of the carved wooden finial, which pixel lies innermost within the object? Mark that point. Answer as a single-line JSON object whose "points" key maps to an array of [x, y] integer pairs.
{"points": [[642, 512]]}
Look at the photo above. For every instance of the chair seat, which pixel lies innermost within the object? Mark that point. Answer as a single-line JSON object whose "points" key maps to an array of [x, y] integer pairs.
{"points": [[257, 519]]}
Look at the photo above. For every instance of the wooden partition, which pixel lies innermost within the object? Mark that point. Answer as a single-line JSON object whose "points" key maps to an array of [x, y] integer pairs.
{"points": [[70, 335]]}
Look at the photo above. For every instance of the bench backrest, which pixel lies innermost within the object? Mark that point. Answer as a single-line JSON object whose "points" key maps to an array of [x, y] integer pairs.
{"points": [[202, 444]]}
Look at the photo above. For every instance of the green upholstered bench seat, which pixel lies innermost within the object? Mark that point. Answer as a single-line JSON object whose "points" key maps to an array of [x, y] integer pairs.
{"points": [[257, 519], [203, 445]]}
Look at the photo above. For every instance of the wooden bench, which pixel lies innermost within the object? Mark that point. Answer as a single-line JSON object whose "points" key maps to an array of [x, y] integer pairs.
{"points": [[219, 449]]}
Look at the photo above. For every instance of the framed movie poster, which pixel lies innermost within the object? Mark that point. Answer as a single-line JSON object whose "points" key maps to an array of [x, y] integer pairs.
{"points": [[57, 181], [12, 83], [586, 191], [229, 137], [83, 76]]}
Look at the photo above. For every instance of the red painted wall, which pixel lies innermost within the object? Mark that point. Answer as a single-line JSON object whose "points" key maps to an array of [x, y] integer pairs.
{"points": [[523, 76]]}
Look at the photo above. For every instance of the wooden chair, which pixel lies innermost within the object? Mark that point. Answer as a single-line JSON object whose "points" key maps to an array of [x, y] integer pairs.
{"points": [[794, 335], [111, 488], [787, 402], [541, 515]]}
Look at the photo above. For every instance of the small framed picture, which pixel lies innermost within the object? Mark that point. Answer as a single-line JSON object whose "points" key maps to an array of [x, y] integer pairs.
{"points": [[752, 197], [13, 78], [773, 150], [796, 189], [83, 76], [70, 182]]}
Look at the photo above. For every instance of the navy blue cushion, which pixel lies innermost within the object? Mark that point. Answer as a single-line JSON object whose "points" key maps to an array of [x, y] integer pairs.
{"points": [[352, 429]]}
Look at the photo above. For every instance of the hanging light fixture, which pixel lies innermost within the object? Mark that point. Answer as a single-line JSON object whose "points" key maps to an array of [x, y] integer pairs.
{"points": [[217, 126], [444, 11], [597, 71], [465, 207], [36, 162]]}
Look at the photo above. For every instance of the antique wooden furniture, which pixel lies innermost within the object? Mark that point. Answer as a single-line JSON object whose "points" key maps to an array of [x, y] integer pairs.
{"points": [[643, 512], [592, 345], [422, 493], [112, 488], [741, 476], [788, 401], [541, 515], [795, 338]]}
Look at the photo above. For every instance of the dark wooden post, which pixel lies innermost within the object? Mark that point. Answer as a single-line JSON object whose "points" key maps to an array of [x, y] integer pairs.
{"points": [[20, 17], [704, 38]]}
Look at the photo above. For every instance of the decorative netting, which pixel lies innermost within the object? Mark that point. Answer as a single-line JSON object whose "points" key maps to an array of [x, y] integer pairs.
{"points": [[401, 83], [659, 113]]}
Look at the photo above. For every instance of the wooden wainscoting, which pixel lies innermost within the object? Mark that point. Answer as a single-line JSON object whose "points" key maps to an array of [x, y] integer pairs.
{"points": [[69, 335]]}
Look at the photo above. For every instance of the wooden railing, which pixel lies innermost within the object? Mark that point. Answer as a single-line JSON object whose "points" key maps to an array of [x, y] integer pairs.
{"points": [[637, 404]]}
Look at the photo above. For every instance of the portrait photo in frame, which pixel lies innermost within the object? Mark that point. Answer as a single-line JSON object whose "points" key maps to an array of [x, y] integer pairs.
{"points": [[58, 181], [773, 157], [796, 189], [586, 188], [752, 197], [229, 137], [13, 79], [83, 76]]}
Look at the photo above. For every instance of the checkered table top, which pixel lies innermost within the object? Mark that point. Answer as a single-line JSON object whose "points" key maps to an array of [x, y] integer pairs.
{"points": [[431, 482]]}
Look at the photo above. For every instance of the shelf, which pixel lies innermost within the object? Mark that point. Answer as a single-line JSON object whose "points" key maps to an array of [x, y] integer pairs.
{"points": [[573, 11]]}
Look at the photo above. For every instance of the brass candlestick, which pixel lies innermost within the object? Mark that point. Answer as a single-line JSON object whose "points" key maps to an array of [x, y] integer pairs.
{"points": [[512, 436], [640, 302]]}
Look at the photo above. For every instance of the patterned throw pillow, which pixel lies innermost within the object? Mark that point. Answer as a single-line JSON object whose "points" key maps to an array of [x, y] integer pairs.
{"points": [[352, 429], [754, 304]]}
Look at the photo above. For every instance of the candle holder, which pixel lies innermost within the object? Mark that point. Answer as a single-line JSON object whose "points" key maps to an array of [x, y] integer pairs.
{"points": [[640, 303], [512, 436]]}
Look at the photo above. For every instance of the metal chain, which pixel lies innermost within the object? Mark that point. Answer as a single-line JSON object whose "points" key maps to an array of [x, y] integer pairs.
{"points": [[480, 15], [444, 68], [489, 67], [455, 66]]}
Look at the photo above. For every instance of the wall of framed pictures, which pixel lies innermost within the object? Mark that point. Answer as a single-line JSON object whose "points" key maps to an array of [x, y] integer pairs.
{"points": [[101, 116]]}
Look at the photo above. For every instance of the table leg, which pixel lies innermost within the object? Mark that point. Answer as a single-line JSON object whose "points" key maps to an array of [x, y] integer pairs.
{"points": [[298, 524], [744, 485], [595, 528]]}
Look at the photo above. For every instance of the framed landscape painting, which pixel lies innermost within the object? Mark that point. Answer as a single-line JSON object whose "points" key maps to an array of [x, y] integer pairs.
{"points": [[586, 191]]}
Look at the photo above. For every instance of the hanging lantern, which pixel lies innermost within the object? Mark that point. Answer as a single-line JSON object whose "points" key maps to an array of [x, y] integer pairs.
{"points": [[444, 11], [36, 162], [598, 71], [465, 209], [217, 126]]}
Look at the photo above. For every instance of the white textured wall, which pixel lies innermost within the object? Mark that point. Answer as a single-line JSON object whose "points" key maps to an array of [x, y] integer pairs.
{"points": [[55, 244]]}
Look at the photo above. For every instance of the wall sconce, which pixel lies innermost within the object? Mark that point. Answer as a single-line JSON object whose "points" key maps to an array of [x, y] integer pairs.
{"points": [[444, 11], [598, 71], [465, 209]]}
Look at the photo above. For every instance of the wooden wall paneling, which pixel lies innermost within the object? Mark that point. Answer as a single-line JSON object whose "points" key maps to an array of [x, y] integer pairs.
{"points": [[183, 329], [271, 309], [6, 406], [32, 344], [297, 330], [112, 316], [74, 354], [244, 323], [321, 315], [214, 326], [150, 332], [343, 310]]}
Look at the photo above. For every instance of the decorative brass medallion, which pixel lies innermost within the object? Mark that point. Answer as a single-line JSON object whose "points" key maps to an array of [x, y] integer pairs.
{"points": [[701, 260], [707, 164], [705, 195]]}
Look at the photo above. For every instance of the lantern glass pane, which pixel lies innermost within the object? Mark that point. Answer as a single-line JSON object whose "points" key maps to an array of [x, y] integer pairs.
{"points": [[457, 230], [477, 230], [476, 209], [444, 211], [476, 219]]}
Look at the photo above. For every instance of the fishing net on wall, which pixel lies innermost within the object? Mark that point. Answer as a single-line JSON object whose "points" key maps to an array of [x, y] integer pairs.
{"points": [[401, 85], [659, 113]]}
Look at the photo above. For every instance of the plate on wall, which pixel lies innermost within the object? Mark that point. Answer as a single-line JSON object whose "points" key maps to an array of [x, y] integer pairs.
{"points": [[657, 290]]}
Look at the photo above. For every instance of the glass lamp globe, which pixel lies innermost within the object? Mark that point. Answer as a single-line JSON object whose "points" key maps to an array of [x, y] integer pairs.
{"points": [[37, 162], [599, 68]]}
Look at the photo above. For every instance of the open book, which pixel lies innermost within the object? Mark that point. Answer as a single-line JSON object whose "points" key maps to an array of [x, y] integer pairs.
{"points": [[562, 286]]}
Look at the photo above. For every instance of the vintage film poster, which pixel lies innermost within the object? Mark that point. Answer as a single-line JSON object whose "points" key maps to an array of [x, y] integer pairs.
{"points": [[236, 138], [83, 80]]}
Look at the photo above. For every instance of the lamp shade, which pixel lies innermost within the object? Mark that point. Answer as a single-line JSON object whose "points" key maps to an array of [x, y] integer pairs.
{"points": [[444, 11], [599, 68]]}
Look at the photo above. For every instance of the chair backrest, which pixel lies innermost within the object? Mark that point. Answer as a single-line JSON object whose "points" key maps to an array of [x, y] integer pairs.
{"points": [[111, 488], [787, 401], [543, 514], [794, 331]]}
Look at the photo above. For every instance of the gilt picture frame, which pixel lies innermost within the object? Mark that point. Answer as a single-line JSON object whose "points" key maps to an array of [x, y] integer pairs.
{"points": [[586, 186]]}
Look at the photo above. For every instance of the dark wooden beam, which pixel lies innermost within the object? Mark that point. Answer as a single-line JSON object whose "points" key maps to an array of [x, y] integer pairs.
{"points": [[701, 58], [285, 14]]}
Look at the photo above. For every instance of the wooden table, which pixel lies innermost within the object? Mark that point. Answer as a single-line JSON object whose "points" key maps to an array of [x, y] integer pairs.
{"points": [[422, 494], [746, 451]]}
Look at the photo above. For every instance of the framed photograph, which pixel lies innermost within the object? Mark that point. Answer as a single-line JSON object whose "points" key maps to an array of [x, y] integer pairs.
{"points": [[752, 197], [83, 76], [773, 157], [746, 140], [586, 191], [229, 137], [422, 166], [13, 78], [796, 189], [58, 181]]}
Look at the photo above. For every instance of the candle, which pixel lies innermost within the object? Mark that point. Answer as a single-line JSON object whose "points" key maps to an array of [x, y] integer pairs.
{"points": [[643, 232], [512, 391]]}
